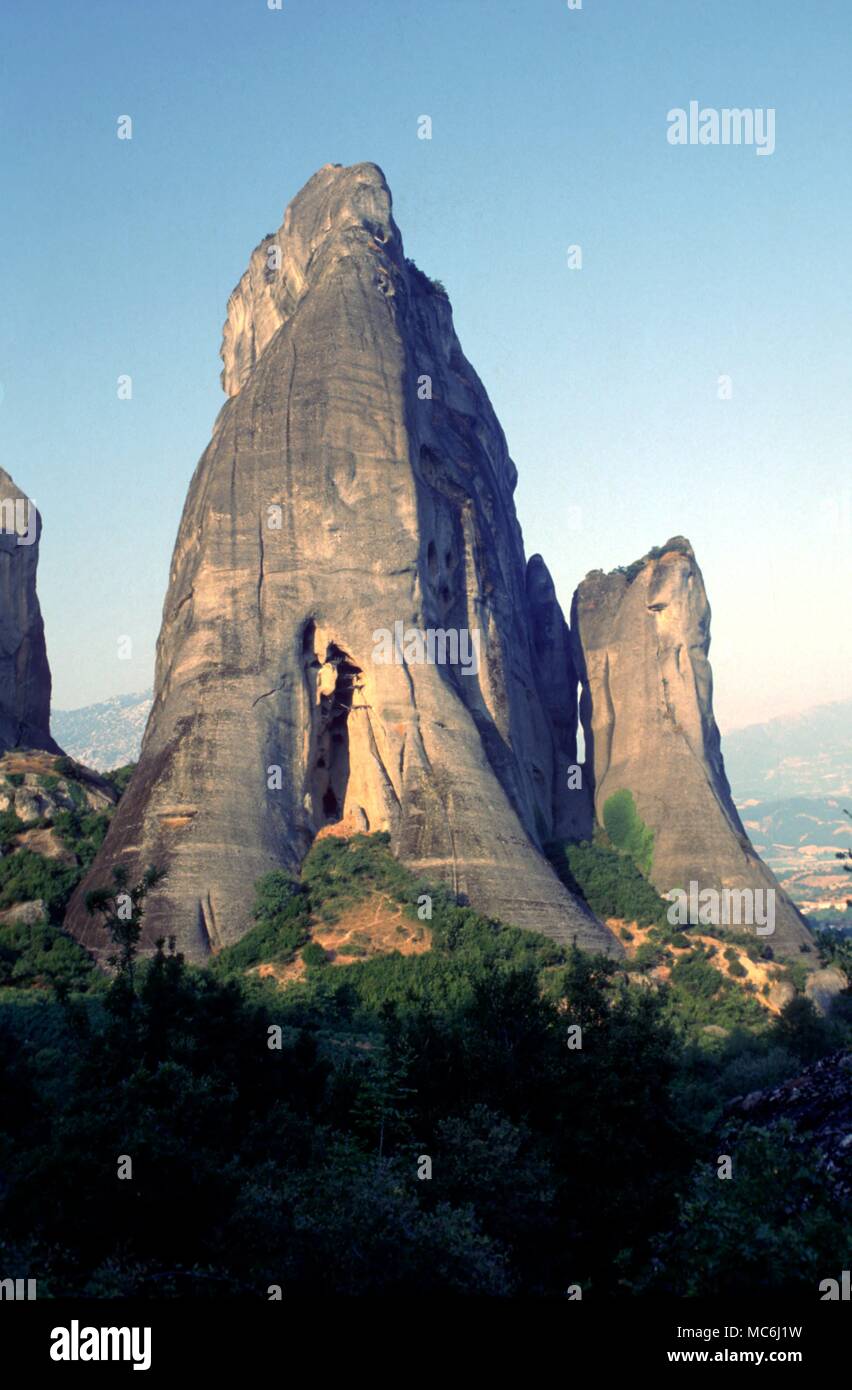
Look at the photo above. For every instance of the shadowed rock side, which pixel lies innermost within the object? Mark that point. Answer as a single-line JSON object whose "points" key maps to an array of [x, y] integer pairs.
{"points": [[558, 681], [334, 500], [24, 672], [640, 640]]}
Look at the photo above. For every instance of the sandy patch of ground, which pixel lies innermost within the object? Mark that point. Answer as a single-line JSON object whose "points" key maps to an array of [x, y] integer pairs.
{"points": [[375, 927], [759, 973], [45, 842]]}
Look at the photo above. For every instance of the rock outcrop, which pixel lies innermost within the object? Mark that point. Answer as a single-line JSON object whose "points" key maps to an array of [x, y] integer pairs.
{"points": [[818, 1105], [357, 492], [34, 788], [24, 672], [37, 793], [640, 640]]}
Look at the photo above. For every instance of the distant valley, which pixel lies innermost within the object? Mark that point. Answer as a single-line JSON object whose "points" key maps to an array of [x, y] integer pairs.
{"points": [[791, 780]]}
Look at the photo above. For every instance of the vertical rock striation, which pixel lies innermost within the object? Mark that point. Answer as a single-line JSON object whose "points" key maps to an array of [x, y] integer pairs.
{"points": [[357, 482], [640, 639], [24, 672]]}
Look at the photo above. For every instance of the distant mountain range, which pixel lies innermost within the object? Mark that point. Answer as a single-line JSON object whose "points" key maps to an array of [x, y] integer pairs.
{"points": [[792, 779], [103, 736], [807, 754]]}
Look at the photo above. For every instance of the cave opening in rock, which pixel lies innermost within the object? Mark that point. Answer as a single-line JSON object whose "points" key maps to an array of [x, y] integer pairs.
{"points": [[336, 679]]}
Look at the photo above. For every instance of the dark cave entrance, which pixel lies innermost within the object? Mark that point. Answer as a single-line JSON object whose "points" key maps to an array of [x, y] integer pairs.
{"points": [[336, 678]]}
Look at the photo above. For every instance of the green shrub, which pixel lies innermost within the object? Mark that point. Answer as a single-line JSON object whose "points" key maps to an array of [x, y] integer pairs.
{"points": [[275, 893], [648, 956], [83, 834], [25, 876], [631, 571], [425, 281], [797, 975], [627, 830], [680, 941], [801, 1030], [120, 777], [10, 826], [313, 955]]}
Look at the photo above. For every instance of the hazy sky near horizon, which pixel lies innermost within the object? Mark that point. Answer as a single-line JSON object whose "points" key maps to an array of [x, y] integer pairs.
{"points": [[549, 130]]}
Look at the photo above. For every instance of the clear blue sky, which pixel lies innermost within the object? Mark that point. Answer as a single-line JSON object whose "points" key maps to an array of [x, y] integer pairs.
{"points": [[549, 129]]}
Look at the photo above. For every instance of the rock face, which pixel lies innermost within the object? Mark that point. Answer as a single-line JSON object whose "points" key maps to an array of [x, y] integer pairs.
{"points": [[357, 490], [640, 640], [24, 672]]}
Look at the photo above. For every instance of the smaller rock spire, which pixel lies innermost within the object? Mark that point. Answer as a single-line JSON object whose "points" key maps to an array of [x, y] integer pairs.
{"points": [[24, 672]]}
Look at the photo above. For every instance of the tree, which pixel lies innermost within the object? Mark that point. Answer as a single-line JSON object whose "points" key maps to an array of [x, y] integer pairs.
{"points": [[626, 829], [382, 1105], [121, 909], [800, 1028]]}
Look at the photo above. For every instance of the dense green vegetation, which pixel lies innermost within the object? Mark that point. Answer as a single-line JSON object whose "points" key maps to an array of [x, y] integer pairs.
{"points": [[713, 1251], [120, 777], [276, 1137], [610, 882], [699, 997], [282, 913], [39, 953], [25, 876], [627, 831]]}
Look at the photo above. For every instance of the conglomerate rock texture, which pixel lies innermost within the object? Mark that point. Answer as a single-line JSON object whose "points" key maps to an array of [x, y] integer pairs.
{"points": [[357, 483], [640, 640], [24, 672]]}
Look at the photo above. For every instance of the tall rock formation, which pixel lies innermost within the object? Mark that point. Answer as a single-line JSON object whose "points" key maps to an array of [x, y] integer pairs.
{"points": [[357, 490], [24, 672], [640, 639]]}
